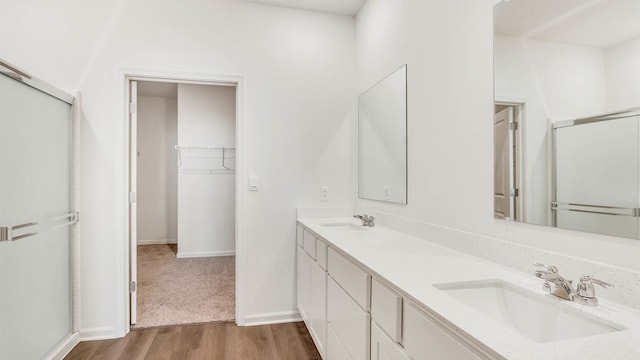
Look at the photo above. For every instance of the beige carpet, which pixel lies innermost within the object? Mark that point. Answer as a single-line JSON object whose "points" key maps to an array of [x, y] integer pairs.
{"points": [[175, 291]]}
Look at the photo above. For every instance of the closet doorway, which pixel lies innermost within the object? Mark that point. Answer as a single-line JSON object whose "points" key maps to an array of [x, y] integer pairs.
{"points": [[182, 212]]}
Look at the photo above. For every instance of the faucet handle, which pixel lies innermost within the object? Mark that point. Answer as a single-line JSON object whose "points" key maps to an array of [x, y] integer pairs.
{"points": [[550, 268], [586, 292], [589, 280]]}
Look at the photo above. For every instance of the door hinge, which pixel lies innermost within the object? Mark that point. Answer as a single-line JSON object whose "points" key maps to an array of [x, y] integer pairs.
{"points": [[5, 233], [132, 197], [513, 126], [514, 192], [132, 286], [133, 108]]}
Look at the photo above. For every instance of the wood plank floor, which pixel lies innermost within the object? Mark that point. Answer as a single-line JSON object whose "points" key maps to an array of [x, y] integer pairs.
{"points": [[205, 341]]}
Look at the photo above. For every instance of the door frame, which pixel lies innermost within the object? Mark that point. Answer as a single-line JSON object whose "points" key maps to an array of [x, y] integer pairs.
{"points": [[239, 82], [520, 110]]}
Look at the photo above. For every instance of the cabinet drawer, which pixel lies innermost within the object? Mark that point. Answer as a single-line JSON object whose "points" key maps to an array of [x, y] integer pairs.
{"points": [[352, 279], [299, 232], [386, 310], [321, 253], [383, 348], [309, 241], [349, 322], [335, 350], [428, 340]]}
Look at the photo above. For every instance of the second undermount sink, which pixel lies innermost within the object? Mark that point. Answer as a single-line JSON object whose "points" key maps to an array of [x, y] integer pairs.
{"points": [[539, 318], [344, 226]]}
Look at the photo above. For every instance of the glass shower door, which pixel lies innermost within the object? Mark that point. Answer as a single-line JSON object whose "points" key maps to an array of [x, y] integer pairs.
{"points": [[35, 221], [597, 177]]}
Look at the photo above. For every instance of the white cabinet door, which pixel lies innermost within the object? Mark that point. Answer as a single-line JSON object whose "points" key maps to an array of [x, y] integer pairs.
{"points": [[383, 348], [349, 322], [318, 310], [335, 350], [426, 340], [303, 280]]}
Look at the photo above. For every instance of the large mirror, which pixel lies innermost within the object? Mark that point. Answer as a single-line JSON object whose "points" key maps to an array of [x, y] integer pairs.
{"points": [[566, 124], [382, 140]]}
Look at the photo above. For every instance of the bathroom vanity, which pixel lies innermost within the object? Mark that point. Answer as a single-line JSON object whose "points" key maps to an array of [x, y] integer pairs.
{"points": [[376, 293]]}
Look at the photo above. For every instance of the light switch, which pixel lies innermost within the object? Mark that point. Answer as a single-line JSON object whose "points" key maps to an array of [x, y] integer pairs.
{"points": [[254, 181]]}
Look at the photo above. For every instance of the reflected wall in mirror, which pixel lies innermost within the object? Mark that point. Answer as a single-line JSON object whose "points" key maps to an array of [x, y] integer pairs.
{"points": [[566, 125], [382, 140]]}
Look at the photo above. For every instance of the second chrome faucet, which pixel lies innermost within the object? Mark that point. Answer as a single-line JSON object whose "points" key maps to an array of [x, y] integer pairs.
{"points": [[562, 288], [367, 220]]}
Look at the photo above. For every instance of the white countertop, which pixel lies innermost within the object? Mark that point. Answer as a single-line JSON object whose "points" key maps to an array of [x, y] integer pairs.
{"points": [[414, 265]]}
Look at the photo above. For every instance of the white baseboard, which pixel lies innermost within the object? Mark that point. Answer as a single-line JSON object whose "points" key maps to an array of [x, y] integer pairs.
{"points": [[100, 333], [157, 241], [272, 318], [63, 347], [184, 255]]}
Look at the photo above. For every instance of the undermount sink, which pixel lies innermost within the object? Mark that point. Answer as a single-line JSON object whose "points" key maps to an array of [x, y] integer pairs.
{"points": [[539, 318], [345, 226]]}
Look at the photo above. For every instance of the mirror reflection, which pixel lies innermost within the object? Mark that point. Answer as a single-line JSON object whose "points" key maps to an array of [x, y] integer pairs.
{"points": [[382, 140], [566, 125]]}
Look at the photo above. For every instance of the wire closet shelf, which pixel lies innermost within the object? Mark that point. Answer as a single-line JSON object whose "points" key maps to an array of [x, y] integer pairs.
{"points": [[226, 156]]}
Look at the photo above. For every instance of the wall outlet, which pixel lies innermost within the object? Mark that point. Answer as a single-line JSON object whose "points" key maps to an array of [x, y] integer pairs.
{"points": [[324, 193], [387, 192]]}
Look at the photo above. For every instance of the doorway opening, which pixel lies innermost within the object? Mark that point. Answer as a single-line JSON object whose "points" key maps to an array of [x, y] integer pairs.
{"points": [[508, 159], [182, 212]]}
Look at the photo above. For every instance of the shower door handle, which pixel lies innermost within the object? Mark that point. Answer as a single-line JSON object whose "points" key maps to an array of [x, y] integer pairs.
{"points": [[7, 233]]}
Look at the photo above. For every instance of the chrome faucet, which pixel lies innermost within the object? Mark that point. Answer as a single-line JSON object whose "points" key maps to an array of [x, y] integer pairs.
{"points": [[554, 283], [558, 286], [367, 220]]}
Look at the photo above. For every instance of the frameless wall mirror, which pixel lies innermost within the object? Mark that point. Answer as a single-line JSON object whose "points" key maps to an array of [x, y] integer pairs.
{"points": [[567, 119], [382, 140]]}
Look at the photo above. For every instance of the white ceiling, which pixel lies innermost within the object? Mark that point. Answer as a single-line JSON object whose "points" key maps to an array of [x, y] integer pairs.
{"points": [[598, 23], [342, 7], [157, 89]]}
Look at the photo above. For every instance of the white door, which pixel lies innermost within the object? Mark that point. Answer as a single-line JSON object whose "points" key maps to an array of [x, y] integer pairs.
{"points": [[133, 191], [503, 175]]}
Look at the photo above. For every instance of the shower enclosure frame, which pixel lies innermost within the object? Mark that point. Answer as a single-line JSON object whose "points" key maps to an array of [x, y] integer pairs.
{"points": [[14, 72], [616, 115]]}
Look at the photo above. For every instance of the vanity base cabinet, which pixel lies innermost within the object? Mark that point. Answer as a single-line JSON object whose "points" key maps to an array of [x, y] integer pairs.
{"points": [[424, 339], [348, 321], [383, 348]]}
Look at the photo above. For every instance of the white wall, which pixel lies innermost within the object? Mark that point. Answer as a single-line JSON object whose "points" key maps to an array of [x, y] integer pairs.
{"points": [[623, 75], [448, 49], [56, 42], [206, 201], [157, 174], [298, 68], [571, 78], [299, 72]]}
